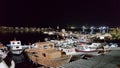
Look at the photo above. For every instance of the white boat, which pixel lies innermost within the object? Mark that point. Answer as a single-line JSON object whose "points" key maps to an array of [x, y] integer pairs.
{"points": [[84, 39], [86, 50], [4, 61], [4, 65], [111, 45], [15, 47], [94, 45], [3, 51], [68, 50]]}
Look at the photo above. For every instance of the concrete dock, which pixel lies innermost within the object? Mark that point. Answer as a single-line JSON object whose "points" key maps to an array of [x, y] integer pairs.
{"points": [[109, 60]]}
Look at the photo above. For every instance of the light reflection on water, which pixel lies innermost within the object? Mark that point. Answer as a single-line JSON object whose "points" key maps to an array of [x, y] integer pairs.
{"points": [[25, 38]]}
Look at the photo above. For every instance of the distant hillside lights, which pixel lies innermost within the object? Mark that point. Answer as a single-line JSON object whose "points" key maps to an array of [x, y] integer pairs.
{"points": [[72, 27], [22, 29], [103, 29], [92, 29]]}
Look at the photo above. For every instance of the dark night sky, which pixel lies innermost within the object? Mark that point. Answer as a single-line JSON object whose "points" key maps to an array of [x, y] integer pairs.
{"points": [[51, 13]]}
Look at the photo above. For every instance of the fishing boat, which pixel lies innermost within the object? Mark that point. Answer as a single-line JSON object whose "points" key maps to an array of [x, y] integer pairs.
{"points": [[3, 51], [86, 50], [84, 39], [94, 45], [68, 50], [110, 46], [5, 59], [45, 54], [16, 47]]}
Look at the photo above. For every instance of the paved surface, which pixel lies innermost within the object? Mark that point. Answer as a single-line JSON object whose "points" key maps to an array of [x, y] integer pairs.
{"points": [[110, 60]]}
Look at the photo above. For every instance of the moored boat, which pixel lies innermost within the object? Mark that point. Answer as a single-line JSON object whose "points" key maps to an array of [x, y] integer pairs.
{"points": [[86, 50], [47, 55], [68, 50], [16, 47], [5, 59]]}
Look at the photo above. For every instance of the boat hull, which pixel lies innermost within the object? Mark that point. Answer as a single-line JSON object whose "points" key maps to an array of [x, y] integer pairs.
{"points": [[16, 51], [93, 52], [50, 62]]}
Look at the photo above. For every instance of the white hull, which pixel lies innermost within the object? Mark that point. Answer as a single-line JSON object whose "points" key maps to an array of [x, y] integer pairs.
{"points": [[17, 51], [4, 65], [87, 52]]}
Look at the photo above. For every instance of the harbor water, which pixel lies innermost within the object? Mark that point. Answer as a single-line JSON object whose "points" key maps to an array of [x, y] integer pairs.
{"points": [[21, 60]]}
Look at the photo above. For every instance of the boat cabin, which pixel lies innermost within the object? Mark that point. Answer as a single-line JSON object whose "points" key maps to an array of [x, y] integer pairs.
{"points": [[68, 50], [14, 42], [46, 50], [15, 45]]}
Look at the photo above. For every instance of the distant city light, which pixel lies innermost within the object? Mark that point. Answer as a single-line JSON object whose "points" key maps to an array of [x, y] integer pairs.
{"points": [[72, 27]]}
